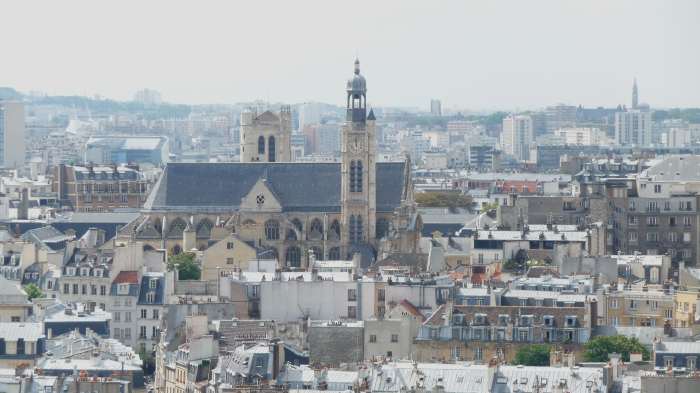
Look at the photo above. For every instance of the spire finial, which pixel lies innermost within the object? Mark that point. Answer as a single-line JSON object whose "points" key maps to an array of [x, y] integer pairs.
{"points": [[357, 65]]}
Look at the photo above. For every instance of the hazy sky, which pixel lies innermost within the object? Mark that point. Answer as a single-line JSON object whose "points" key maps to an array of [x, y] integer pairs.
{"points": [[470, 54]]}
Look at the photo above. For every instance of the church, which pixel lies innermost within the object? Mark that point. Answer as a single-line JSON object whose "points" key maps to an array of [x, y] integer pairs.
{"points": [[289, 210]]}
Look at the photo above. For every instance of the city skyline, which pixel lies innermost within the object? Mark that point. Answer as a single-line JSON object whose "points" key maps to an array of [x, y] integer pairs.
{"points": [[206, 55]]}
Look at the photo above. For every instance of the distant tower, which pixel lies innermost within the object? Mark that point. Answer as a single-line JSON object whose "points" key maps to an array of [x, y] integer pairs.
{"points": [[635, 95], [266, 137], [358, 166]]}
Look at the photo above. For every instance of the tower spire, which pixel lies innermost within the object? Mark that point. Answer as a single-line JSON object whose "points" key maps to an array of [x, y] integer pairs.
{"points": [[635, 95]]}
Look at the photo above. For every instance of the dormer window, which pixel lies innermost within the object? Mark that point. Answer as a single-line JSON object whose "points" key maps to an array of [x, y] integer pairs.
{"points": [[123, 289], [151, 297], [70, 271], [152, 283], [84, 272], [98, 272]]}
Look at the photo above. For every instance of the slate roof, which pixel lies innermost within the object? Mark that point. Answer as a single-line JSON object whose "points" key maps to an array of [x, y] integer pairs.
{"points": [[311, 187], [46, 236], [126, 277], [159, 290], [676, 168]]}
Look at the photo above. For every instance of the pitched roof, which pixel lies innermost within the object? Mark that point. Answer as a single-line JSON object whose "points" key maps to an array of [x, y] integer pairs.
{"points": [[158, 291], [411, 309], [312, 187], [127, 277]]}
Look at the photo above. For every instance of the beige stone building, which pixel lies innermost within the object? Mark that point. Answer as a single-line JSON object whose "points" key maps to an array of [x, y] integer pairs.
{"points": [[266, 137], [226, 256], [14, 303], [639, 307]]}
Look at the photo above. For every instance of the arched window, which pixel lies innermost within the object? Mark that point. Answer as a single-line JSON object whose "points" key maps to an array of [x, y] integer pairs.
{"points": [[382, 228], [204, 228], [355, 229], [358, 176], [297, 224], [352, 176], [176, 227], [334, 232], [176, 249], [271, 149], [293, 256], [334, 253], [318, 252], [261, 144], [291, 234], [272, 230], [316, 230]]}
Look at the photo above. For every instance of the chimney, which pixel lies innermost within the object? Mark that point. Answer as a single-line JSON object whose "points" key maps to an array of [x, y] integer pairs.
{"points": [[615, 365], [23, 208]]}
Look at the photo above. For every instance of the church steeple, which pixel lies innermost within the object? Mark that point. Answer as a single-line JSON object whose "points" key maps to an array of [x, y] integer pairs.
{"points": [[358, 167], [356, 96], [635, 95]]}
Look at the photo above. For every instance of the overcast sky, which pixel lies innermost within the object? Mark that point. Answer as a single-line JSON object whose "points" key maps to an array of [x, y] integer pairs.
{"points": [[471, 54]]}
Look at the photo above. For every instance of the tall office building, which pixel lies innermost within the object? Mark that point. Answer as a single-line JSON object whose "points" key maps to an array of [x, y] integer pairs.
{"points": [[148, 97], [309, 114], [633, 127], [559, 116], [12, 134], [435, 107], [517, 136]]}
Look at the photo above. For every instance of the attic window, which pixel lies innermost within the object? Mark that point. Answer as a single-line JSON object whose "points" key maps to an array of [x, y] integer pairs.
{"points": [[152, 283], [151, 297]]}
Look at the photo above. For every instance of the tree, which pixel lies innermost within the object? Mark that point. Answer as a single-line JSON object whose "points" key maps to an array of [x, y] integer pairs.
{"points": [[187, 267], [33, 291], [533, 355], [598, 348], [518, 262], [487, 207], [443, 199]]}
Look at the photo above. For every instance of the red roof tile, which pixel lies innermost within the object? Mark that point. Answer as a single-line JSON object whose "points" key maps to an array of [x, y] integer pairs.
{"points": [[413, 310], [478, 278], [127, 277]]}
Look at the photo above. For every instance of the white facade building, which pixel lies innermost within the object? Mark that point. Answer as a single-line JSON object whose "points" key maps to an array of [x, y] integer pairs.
{"points": [[580, 136], [517, 136], [633, 127], [12, 134]]}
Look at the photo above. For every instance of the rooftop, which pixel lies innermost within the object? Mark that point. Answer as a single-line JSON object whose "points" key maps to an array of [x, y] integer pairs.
{"points": [[29, 331], [678, 347], [228, 183]]}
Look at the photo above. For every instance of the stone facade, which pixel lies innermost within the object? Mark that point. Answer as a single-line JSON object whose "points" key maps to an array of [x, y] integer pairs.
{"points": [[332, 343], [286, 210], [266, 137]]}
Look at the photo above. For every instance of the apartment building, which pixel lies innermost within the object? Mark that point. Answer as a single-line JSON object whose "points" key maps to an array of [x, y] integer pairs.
{"points": [[518, 317], [95, 188], [639, 306]]}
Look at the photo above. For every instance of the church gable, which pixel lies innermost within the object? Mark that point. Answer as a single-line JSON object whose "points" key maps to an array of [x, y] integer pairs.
{"points": [[267, 116], [260, 198]]}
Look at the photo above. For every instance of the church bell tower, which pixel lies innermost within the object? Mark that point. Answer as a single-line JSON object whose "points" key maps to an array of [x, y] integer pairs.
{"points": [[358, 166]]}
